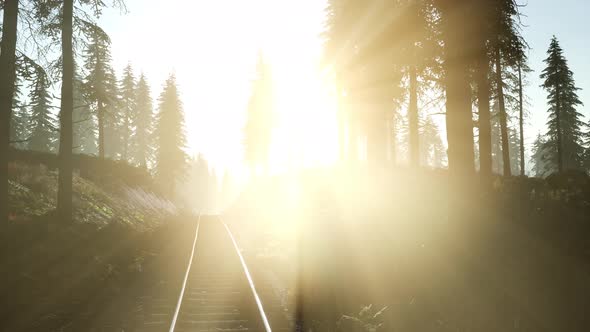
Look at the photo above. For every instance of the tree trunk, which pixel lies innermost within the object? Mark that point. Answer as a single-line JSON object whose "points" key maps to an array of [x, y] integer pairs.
{"points": [[413, 119], [502, 115], [64, 196], [558, 125], [100, 115], [7, 78], [459, 120], [485, 127], [521, 120], [457, 26]]}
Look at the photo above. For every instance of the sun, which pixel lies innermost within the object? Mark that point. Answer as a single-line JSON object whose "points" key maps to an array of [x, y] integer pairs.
{"points": [[214, 59], [306, 132]]}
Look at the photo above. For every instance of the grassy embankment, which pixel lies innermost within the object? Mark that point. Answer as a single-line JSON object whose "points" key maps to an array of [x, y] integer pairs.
{"points": [[58, 277]]}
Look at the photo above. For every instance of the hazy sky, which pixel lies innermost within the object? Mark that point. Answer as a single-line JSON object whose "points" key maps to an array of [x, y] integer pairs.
{"points": [[568, 21], [212, 45], [212, 48]]}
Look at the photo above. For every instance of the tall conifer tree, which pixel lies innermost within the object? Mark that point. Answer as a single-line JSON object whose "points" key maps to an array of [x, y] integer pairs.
{"points": [[508, 50], [540, 159], [564, 135], [43, 123], [432, 150], [85, 125], [143, 123], [20, 117], [127, 103], [101, 91], [171, 162]]}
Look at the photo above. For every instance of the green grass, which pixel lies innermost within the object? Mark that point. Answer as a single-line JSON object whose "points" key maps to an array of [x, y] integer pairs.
{"points": [[33, 192]]}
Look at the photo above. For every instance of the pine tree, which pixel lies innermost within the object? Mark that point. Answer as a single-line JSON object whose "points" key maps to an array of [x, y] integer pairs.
{"points": [[101, 92], [508, 50], [540, 157], [587, 150], [504, 28], [498, 42], [340, 53], [510, 96], [483, 34], [522, 70], [85, 127], [564, 135], [514, 146], [19, 120], [457, 26], [432, 149], [259, 121], [515, 102], [170, 138], [372, 48], [502, 115], [113, 125], [57, 20], [44, 125], [417, 41], [127, 111], [439, 154], [143, 123], [497, 160]]}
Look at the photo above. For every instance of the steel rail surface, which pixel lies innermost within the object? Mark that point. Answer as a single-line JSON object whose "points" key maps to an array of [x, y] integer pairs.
{"points": [[188, 270], [250, 281]]}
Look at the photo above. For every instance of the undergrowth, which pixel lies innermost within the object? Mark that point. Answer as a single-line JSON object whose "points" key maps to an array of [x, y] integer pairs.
{"points": [[62, 277], [33, 192]]}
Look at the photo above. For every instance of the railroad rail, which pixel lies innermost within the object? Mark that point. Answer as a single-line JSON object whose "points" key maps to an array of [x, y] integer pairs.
{"points": [[217, 291]]}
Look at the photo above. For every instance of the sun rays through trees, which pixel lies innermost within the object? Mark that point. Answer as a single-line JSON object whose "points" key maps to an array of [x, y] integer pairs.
{"points": [[405, 83]]}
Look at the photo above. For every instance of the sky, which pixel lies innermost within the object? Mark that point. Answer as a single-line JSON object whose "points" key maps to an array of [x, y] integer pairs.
{"points": [[568, 20], [211, 47]]}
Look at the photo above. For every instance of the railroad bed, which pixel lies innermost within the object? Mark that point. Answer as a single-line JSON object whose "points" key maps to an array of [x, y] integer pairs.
{"points": [[215, 293]]}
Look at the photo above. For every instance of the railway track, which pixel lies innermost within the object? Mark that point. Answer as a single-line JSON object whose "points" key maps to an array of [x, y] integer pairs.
{"points": [[217, 291]]}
